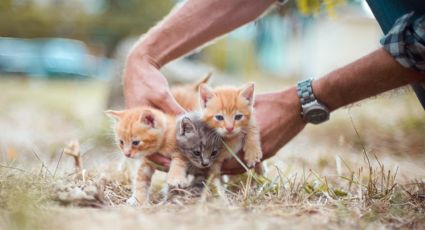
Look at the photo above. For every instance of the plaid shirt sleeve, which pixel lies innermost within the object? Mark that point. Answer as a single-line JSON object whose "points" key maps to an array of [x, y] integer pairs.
{"points": [[406, 42]]}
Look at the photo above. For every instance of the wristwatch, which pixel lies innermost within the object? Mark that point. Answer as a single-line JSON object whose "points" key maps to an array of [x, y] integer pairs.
{"points": [[312, 110]]}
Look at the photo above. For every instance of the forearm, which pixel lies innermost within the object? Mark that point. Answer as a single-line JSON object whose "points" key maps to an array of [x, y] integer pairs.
{"points": [[369, 76], [194, 24]]}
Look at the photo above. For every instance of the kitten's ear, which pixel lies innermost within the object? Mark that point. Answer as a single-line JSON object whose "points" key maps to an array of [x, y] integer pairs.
{"points": [[206, 94], [247, 91], [186, 126], [114, 114], [204, 80], [148, 118]]}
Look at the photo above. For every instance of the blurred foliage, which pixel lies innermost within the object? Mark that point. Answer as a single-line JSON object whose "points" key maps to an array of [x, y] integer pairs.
{"points": [[112, 21], [106, 22], [128, 17], [314, 7]]}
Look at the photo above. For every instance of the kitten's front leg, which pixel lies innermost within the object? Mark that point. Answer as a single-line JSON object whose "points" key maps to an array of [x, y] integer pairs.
{"points": [[252, 146], [177, 174], [215, 174], [215, 170], [141, 184]]}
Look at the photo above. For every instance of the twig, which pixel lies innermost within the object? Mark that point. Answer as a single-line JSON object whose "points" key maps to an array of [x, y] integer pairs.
{"points": [[360, 139], [57, 165], [42, 162], [73, 150], [370, 185], [236, 157], [254, 175], [10, 167]]}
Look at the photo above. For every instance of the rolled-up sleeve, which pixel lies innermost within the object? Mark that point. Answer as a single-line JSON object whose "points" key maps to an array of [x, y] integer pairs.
{"points": [[406, 42]]}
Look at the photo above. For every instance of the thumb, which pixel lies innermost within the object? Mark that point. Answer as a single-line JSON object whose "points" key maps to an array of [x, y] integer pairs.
{"points": [[169, 105]]}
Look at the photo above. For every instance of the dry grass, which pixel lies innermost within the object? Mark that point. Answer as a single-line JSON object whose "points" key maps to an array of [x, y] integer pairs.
{"points": [[357, 171], [368, 196]]}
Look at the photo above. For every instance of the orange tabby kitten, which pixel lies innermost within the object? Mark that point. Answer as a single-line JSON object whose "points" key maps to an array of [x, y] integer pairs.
{"points": [[230, 112], [141, 132], [187, 95]]}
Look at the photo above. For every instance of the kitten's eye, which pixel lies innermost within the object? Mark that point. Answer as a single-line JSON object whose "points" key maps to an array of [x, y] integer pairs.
{"points": [[238, 117], [215, 152], [135, 143], [219, 117], [121, 142], [196, 153]]}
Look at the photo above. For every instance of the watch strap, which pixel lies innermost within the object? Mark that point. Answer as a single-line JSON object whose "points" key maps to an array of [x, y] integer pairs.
{"points": [[305, 91]]}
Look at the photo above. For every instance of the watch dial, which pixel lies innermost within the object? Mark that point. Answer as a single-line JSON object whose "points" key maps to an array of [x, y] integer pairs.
{"points": [[317, 116]]}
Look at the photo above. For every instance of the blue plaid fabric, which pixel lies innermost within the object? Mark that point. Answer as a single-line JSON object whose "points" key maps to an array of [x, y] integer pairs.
{"points": [[406, 42]]}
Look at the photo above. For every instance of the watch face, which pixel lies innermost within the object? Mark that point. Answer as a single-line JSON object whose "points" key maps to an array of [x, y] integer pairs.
{"points": [[316, 115]]}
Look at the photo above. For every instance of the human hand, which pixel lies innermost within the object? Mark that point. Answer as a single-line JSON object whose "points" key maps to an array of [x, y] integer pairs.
{"points": [[144, 85], [278, 118], [277, 114]]}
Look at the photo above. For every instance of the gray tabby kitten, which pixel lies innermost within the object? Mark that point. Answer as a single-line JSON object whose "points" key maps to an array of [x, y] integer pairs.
{"points": [[199, 143]]}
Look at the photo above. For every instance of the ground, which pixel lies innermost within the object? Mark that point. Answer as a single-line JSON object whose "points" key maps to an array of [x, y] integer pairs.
{"points": [[363, 169]]}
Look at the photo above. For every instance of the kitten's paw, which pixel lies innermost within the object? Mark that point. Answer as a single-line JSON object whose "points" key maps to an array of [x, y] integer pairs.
{"points": [[177, 182], [252, 158]]}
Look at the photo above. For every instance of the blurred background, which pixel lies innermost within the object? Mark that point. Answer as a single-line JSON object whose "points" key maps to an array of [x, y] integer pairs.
{"points": [[61, 64], [54, 38]]}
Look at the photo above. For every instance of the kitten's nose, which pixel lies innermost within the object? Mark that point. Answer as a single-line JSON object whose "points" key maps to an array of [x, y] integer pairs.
{"points": [[229, 129], [205, 163], [127, 154]]}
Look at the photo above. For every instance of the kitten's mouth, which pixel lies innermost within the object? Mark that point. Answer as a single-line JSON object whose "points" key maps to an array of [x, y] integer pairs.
{"points": [[130, 156], [231, 134], [200, 166], [137, 156]]}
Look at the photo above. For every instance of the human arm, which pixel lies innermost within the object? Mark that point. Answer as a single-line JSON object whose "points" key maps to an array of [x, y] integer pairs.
{"points": [[373, 74], [370, 75], [188, 27], [185, 29], [401, 61]]}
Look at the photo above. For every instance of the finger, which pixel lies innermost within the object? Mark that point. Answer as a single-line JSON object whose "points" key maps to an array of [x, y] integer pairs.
{"points": [[232, 167], [160, 160], [169, 105], [132, 102]]}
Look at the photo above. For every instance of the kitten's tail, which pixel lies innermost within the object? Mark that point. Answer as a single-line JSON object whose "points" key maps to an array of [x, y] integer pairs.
{"points": [[204, 80]]}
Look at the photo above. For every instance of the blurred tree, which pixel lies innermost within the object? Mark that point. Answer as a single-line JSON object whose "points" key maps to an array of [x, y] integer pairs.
{"points": [[26, 19], [285, 21], [72, 19], [123, 18]]}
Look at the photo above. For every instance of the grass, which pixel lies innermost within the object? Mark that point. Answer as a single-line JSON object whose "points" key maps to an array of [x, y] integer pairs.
{"points": [[354, 172], [367, 196]]}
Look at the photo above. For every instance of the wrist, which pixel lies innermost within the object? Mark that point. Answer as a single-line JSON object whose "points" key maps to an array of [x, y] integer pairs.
{"points": [[141, 55], [290, 97], [279, 119], [314, 111], [289, 101], [323, 89]]}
